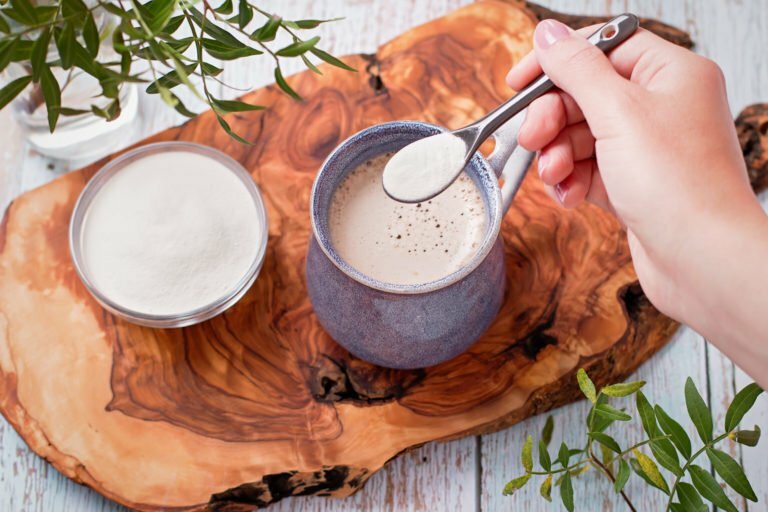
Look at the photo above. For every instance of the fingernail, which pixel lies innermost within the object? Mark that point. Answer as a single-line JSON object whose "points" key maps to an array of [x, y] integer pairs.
{"points": [[560, 192], [543, 162], [548, 32]]}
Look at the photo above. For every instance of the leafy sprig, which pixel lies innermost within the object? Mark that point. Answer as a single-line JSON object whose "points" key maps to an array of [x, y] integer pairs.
{"points": [[65, 35], [671, 457]]}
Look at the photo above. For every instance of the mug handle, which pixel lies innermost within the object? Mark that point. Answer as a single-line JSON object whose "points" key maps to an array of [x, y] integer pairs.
{"points": [[509, 160]]}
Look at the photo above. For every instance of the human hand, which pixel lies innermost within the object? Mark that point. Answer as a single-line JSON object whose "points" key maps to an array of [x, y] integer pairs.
{"points": [[647, 134]]}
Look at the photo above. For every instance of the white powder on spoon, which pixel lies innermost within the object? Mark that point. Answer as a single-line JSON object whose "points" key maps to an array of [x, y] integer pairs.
{"points": [[424, 168], [169, 233]]}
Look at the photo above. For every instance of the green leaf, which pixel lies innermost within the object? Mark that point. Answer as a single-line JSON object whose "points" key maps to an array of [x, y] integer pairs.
{"points": [[173, 24], [709, 488], [677, 434], [284, 85], [566, 492], [546, 432], [117, 11], [39, 52], [65, 43], [526, 458], [544, 460], [170, 79], [330, 59], [211, 70], [91, 36], [83, 61], [611, 413], [181, 108], [307, 24], [622, 476], [213, 30], [244, 14], [159, 12], [606, 456], [13, 89], [297, 48], [606, 441], [134, 32], [651, 470], [595, 422], [6, 51], [635, 465], [225, 8], [219, 50], [624, 389], [52, 95], [174, 47], [24, 12], [742, 403], [73, 8], [227, 106], [310, 65], [228, 129], [698, 411], [168, 97], [647, 417], [515, 484], [118, 43], [689, 497], [730, 471], [110, 113], [4, 27], [746, 437], [586, 385], [65, 111], [22, 51], [546, 488], [183, 75], [267, 31], [664, 452], [574, 451], [45, 13], [563, 456], [663, 449]]}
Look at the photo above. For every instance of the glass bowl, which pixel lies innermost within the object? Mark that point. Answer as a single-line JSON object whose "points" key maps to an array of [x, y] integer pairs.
{"points": [[199, 314]]}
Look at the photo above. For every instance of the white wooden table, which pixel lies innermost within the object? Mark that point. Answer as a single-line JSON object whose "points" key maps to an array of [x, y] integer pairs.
{"points": [[464, 475]]}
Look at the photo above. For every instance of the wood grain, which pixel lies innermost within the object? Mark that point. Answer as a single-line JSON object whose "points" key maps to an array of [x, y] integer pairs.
{"points": [[139, 355]]}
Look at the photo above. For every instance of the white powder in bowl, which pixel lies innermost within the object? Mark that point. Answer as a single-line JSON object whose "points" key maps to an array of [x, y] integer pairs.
{"points": [[169, 233], [424, 168]]}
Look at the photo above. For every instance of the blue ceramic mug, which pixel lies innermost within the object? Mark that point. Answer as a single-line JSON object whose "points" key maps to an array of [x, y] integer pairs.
{"points": [[411, 326]]}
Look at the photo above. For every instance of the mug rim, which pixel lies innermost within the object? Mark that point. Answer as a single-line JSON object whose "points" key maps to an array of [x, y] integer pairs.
{"points": [[491, 234], [185, 318]]}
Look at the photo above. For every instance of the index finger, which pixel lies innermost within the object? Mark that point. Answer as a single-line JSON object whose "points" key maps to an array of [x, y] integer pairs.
{"points": [[625, 58]]}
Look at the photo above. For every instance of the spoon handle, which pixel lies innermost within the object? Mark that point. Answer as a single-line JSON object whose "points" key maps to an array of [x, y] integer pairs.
{"points": [[606, 38]]}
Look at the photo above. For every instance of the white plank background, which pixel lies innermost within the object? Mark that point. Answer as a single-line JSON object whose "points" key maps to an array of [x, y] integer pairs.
{"points": [[464, 475]]}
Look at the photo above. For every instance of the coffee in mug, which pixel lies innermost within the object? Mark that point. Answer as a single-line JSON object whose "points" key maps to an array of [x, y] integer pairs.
{"points": [[403, 243]]}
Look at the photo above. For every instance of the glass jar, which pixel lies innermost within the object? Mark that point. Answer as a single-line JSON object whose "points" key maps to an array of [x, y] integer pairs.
{"points": [[83, 137]]}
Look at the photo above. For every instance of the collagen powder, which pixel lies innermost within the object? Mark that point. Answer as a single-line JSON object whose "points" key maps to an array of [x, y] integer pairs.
{"points": [[424, 168], [169, 233]]}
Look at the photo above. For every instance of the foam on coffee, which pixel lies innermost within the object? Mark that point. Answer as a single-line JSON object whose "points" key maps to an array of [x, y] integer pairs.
{"points": [[402, 243]]}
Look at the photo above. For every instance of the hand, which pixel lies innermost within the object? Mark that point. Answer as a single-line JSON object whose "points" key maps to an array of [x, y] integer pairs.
{"points": [[647, 134]]}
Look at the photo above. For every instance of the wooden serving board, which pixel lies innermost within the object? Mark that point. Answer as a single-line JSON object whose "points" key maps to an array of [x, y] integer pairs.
{"points": [[259, 403]]}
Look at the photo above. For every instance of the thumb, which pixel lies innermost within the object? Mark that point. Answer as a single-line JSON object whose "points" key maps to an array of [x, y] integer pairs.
{"points": [[577, 67]]}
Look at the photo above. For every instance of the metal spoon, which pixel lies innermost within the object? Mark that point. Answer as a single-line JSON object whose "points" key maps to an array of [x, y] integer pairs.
{"points": [[606, 38]]}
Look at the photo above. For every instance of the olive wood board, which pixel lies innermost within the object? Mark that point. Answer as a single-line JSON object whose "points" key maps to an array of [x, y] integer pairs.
{"points": [[259, 404]]}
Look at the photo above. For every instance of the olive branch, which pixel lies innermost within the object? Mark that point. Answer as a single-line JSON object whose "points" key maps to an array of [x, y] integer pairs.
{"points": [[146, 32], [669, 445]]}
